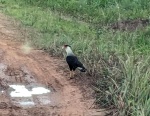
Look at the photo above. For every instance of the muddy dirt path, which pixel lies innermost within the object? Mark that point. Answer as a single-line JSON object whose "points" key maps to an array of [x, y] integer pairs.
{"points": [[32, 83]]}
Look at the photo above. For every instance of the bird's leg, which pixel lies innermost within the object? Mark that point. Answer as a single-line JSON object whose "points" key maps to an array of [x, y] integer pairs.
{"points": [[73, 73], [70, 74]]}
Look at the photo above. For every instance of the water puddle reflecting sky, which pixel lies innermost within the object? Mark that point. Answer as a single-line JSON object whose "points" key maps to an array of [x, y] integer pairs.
{"points": [[27, 103], [22, 91]]}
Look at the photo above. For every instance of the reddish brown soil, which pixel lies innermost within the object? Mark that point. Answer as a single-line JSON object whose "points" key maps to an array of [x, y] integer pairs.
{"points": [[33, 69]]}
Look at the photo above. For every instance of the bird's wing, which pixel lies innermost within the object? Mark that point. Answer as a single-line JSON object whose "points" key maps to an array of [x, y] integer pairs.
{"points": [[78, 63], [80, 66]]}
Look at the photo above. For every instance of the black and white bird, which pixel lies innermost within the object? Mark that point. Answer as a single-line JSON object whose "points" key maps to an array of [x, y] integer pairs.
{"points": [[73, 61]]}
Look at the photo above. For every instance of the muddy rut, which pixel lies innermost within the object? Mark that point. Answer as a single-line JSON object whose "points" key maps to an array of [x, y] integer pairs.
{"points": [[32, 83]]}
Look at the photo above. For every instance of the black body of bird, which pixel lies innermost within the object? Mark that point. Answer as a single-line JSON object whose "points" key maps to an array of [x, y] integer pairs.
{"points": [[74, 63]]}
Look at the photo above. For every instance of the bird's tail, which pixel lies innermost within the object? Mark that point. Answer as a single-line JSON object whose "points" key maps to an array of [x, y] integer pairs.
{"points": [[82, 69]]}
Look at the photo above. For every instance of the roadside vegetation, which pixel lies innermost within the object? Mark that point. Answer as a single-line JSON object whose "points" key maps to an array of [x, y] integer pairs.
{"points": [[112, 37]]}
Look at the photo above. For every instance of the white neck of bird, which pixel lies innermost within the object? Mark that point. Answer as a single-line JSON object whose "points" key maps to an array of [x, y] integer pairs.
{"points": [[69, 51]]}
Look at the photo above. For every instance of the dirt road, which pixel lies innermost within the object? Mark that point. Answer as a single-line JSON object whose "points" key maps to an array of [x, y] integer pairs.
{"points": [[32, 83]]}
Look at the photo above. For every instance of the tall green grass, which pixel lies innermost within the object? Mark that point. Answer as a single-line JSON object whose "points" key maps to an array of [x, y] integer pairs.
{"points": [[94, 11], [97, 11], [118, 61]]}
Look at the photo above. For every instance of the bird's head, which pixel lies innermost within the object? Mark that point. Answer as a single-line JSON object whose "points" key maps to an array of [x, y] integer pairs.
{"points": [[65, 46]]}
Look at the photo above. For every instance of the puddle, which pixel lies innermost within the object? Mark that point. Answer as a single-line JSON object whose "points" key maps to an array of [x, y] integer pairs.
{"points": [[2, 91], [39, 90], [44, 100], [30, 95], [27, 103], [23, 101], [22, 91]]}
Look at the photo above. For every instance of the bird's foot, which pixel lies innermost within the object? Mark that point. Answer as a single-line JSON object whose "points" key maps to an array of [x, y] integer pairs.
{"points": [[71, 75], [70, 78]]}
